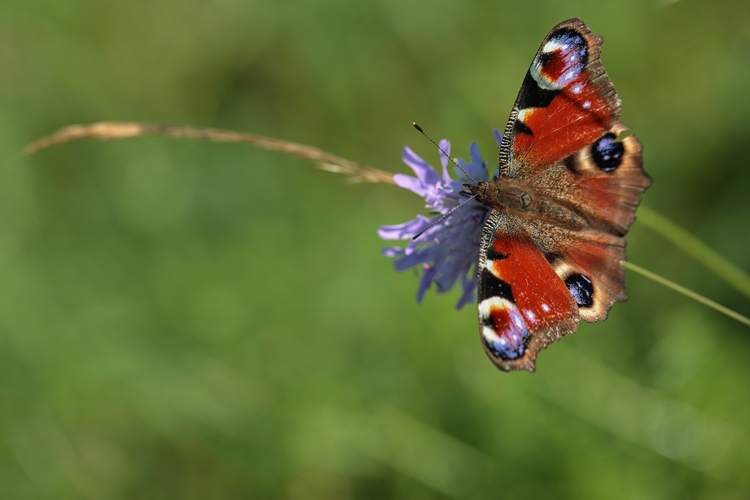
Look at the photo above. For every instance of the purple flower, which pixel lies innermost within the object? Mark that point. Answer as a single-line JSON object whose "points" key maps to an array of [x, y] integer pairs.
{"points": [[449, 249]]}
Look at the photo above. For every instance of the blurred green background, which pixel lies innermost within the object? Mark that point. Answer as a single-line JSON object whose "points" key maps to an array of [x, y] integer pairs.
{"points": [[182, 319]]}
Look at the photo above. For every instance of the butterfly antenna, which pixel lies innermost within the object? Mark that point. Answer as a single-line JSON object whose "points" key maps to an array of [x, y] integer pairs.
{"points": [[443, 217], [416, 126]]}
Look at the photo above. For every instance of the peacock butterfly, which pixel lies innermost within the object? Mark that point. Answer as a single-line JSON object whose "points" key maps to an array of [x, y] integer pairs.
{"points": [[569, 182]]}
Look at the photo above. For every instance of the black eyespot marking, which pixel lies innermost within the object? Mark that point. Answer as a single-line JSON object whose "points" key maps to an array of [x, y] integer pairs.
{"points": [[521, 128], [581, 288], [607, 153], [533, 96], [493, 254], [494, 287]]}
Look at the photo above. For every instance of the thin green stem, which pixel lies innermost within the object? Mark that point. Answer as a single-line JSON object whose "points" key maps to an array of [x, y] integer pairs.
{"points": [[694, 247], [688, 293]]}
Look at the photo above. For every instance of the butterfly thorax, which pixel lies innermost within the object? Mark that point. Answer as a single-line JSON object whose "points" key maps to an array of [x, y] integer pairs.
{"points": [[514, 197]]}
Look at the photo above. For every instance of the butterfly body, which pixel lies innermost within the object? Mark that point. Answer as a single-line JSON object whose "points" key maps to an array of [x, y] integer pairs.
{"points": [[522, 201], [569, 181]]}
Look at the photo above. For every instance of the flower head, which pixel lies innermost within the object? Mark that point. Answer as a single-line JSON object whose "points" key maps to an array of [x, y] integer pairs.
{"points": [[448, 249]]}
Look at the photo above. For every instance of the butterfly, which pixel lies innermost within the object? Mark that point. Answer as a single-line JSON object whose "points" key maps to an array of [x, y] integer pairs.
{"points": [[569, 181]]}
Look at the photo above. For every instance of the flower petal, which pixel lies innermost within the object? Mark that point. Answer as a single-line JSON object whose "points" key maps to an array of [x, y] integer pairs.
{"points": [[445, 145], [404, 231], [424, 284], [424, 171], [412, 259], [392, 251], [446, 253], [468, 286], [413, 184]]}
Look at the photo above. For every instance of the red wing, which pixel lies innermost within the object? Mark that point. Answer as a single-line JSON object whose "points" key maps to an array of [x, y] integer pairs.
{"points": [[523, 303], [566, 101], [588, 262]]}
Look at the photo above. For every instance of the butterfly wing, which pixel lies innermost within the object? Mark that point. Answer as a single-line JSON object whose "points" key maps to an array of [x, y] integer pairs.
{"points": [[523, 304], [566, 101], [563, 140]]}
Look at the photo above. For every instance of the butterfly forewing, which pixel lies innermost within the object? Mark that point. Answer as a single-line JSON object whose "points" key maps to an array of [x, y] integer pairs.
{"points": [[566, 101]]}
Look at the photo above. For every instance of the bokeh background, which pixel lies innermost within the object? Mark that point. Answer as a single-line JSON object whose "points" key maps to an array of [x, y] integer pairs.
{"points": [[182, 319]]}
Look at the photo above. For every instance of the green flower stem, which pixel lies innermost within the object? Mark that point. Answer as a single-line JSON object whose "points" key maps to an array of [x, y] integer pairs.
{"points": [[691, 245], [689, 293]]}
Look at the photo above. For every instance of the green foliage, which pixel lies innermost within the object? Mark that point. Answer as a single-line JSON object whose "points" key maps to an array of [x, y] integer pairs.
{"points": [[194, 320]]}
